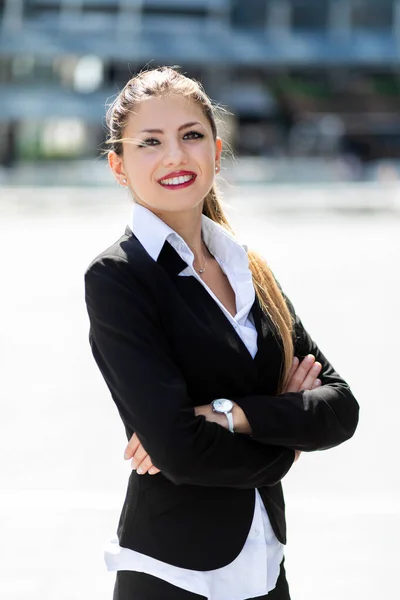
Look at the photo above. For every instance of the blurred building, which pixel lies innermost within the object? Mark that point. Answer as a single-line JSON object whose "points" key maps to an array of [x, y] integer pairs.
{"points": [[303, 77]]}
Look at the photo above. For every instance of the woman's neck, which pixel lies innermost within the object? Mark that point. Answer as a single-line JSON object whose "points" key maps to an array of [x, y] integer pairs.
{"points": [[188, 226]]}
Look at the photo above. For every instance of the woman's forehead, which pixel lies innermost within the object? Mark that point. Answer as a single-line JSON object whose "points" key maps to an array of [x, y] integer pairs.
{"points": [[166, 112]]}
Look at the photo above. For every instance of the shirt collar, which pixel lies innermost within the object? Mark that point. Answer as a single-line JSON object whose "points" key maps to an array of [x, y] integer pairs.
{"points": [[152, 232]]}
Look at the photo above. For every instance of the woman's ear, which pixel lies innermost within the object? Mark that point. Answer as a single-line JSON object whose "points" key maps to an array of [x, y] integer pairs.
{"points": [[117, 167], [218, 150]]}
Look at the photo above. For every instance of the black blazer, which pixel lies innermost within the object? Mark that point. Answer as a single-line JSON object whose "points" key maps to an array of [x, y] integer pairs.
{"points": [[163, 346]]}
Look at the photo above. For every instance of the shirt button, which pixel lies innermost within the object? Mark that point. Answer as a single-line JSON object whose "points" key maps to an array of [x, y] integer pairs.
{"points": [[256, 532]]}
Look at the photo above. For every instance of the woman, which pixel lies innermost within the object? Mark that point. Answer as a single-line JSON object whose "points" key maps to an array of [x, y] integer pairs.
{"points": [[216, 381]]}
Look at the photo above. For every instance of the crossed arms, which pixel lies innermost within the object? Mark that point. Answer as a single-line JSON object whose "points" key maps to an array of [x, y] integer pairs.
{"points": [[150, 393]]}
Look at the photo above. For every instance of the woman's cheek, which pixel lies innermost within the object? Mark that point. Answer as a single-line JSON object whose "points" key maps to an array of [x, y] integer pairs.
{"points": [[150, 161], [142, 167]]}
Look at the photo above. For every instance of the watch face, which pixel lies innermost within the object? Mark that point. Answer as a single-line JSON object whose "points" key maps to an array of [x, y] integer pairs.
{"points": [[223, 405]]}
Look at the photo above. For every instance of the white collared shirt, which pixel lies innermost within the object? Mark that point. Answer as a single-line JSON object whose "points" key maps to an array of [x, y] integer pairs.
{"points": [[255, 570]]}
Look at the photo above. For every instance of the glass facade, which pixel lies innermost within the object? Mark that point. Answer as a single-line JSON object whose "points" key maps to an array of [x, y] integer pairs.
{"points": [[297, 15], [275, 64]]}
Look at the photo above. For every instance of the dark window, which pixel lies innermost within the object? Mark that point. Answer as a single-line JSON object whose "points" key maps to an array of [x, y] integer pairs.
{"points": [[104, 7], [178, 8], [373, 14], [249, 13], [310, 14], [40, 6]]}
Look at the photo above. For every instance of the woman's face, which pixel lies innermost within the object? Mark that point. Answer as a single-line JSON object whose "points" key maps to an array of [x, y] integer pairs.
{"points": [[170, 156]]}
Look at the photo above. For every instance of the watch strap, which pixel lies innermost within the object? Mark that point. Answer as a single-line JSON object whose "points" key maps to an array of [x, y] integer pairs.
{"points": [[229, 416]]}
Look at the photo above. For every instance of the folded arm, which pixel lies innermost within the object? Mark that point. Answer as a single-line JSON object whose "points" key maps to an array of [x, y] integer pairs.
{"points": [[133, 355], [307, 420]]}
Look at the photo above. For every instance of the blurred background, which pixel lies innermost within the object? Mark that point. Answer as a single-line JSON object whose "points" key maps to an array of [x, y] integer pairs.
{"points": [[309, 81], [313, 88]]}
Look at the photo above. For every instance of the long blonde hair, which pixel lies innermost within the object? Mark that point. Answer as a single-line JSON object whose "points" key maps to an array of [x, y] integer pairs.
{"points": [[167, 80]]}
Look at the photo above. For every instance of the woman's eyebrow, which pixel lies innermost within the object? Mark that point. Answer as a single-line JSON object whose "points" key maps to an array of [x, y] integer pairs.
{"points": [[179, 128]]}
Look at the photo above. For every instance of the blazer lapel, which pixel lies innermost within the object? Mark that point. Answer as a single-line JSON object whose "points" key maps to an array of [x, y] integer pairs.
{"points": [[170, 260], [190, 288], [196, 294]]}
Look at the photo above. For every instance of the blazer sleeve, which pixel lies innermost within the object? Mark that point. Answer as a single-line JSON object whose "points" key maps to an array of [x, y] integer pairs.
{"points": [[308, 420], [132, 353]]}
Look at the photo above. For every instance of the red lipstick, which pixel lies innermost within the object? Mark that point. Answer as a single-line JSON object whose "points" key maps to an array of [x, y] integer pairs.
{"points": [[174, 174]]}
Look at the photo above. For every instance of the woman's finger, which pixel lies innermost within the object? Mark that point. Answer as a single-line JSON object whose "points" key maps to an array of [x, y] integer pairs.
{"points": [[295, 364], [138, 457], [316, 384], [311, 376], [132, 446], [296, 454], [145, 466], [292, 371], [153, 470], [294, 385]]}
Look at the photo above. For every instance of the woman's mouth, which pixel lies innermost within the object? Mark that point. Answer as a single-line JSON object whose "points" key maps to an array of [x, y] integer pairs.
{"points": [[175, 183]]}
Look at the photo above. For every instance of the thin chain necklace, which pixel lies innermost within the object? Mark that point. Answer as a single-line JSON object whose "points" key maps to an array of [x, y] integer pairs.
{"points": [[201, 271]]}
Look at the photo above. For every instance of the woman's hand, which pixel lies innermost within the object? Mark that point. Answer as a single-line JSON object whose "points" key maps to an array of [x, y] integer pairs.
{"points": [[141, 461], [303, 375]]}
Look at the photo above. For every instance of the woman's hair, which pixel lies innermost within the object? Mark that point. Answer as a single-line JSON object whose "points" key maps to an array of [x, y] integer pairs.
{"points": [[163, 81]]}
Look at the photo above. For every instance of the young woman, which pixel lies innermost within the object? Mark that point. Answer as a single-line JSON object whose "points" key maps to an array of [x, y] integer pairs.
{"points": [[217, 382]]}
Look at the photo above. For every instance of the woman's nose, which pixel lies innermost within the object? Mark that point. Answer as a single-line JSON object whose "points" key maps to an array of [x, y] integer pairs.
{"points": [[175, 155]]}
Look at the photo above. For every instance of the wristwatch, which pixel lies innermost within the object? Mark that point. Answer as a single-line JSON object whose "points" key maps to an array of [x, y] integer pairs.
{"points": [[224, 406]]}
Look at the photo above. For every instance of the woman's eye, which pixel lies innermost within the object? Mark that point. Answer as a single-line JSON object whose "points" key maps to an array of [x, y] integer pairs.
{"points": [[194, 135], [147, 143]]}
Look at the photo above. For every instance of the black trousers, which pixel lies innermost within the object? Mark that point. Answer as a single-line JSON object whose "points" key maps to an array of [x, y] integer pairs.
{"points": [[132, 585]]}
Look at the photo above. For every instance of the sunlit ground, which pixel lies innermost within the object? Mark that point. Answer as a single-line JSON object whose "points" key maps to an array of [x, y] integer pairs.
{"points": [[63, 474]]}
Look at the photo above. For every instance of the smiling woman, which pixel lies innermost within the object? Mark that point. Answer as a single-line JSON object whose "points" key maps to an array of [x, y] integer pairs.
{"points": [[217, 382], [181, 154], [165, 103]]}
